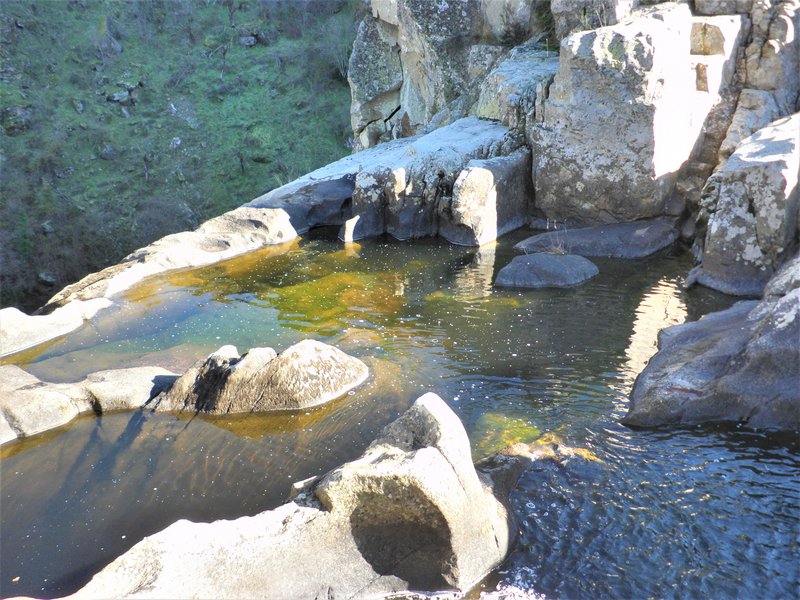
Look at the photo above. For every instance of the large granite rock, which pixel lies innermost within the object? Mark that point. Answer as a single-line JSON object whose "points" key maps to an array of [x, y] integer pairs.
{"points": [[618, 240], [305, 375], [751, 206], [624, 113], [510, 91], [491, 197], [412, 513], [546, 271], [29, 406], [19, 331], [400, 185], [722, 7], [741, 365], [771, 69], [444, 51]]}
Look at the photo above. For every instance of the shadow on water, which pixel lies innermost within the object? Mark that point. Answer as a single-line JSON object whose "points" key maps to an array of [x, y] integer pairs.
{"points": [[690, 512]]}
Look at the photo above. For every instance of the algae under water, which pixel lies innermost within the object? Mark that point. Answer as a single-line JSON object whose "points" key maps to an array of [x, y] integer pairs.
{"points": [[691, 512]]}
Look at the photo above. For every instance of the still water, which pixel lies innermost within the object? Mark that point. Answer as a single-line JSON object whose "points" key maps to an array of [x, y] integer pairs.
{"points": [[698, 512]]}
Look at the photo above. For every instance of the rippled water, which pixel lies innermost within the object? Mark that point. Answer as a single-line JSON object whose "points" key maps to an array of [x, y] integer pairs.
{"points": [[697, 512]]}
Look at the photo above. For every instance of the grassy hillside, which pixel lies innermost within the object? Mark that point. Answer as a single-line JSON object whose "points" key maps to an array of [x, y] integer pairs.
{"points": [[123, 121]]}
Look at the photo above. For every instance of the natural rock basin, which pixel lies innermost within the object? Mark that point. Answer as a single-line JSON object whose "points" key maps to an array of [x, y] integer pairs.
{"points": [[424, 317]]}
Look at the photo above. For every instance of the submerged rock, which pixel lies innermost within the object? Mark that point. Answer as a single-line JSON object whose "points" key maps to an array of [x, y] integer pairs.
{"points": [[546, 270], [411, 513], [307, 374], [740, 365], [619, 240], [752, 209]]}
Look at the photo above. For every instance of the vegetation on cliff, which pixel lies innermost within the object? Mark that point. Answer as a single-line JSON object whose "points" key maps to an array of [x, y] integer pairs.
{"points": [[126, 121]]}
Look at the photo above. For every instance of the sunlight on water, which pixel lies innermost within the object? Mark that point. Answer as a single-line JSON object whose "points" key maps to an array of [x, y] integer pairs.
{"points": [[615, 513]]}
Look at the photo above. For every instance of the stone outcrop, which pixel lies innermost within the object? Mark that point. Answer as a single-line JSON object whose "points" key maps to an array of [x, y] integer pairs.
{"points": [[417, 65], [741, 365], [29, 406], [411, 513], [751, 206], [510, 91], [19, 331], [618, 240], [403, 187], [546, 271], [770, 69], [624, 113], [490, 198], [305, 375], [580, 15]]}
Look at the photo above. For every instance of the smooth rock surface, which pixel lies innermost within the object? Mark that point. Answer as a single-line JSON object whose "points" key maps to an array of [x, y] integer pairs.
{"points": [[741, 365], [236, 232], [411, 513], [126, 389], [490, 198], [751, 205], [305, 375], [19, 331], [619, 240], [546, 270], [29, 406]]}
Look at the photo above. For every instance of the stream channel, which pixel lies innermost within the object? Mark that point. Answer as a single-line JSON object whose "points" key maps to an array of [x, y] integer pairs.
{"points": [[694, 512]]}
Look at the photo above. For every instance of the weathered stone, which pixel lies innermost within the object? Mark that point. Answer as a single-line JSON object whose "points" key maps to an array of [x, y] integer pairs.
{"points": [[722, 7], [619, 240], [126, 389], [444, 50], [397, 187], [756, 109], [19, 331], [305, 375], [30, 406], [739, 365], [375, 77], [546, 271], [785, 280], [580, 15], [236, 232], [508, 94], [411, 513], [490, 198], [603, 161], [772, 60], [752, 208]]}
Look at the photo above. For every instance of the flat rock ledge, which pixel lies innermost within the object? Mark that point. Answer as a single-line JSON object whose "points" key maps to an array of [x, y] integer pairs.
{"points": [[29, 406], [546, 271], [740, 365], [636, 239], [305, 375], [412, 513]]}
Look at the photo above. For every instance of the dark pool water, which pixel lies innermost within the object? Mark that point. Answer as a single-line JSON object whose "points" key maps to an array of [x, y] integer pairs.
{"points": [[709, 513]]}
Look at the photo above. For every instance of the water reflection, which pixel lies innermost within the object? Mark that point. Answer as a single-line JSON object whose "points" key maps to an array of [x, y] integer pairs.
{"points": [[548, 365]]}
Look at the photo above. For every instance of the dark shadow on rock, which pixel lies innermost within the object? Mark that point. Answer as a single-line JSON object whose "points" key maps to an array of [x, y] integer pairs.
{"points": [[413, 545]]}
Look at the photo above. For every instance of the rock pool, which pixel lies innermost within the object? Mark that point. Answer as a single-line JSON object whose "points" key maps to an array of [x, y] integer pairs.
{"points": [[709, 512]]}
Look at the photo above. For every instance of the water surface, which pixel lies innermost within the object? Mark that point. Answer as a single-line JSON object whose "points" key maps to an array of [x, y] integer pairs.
{"points": [[698, 512]]}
